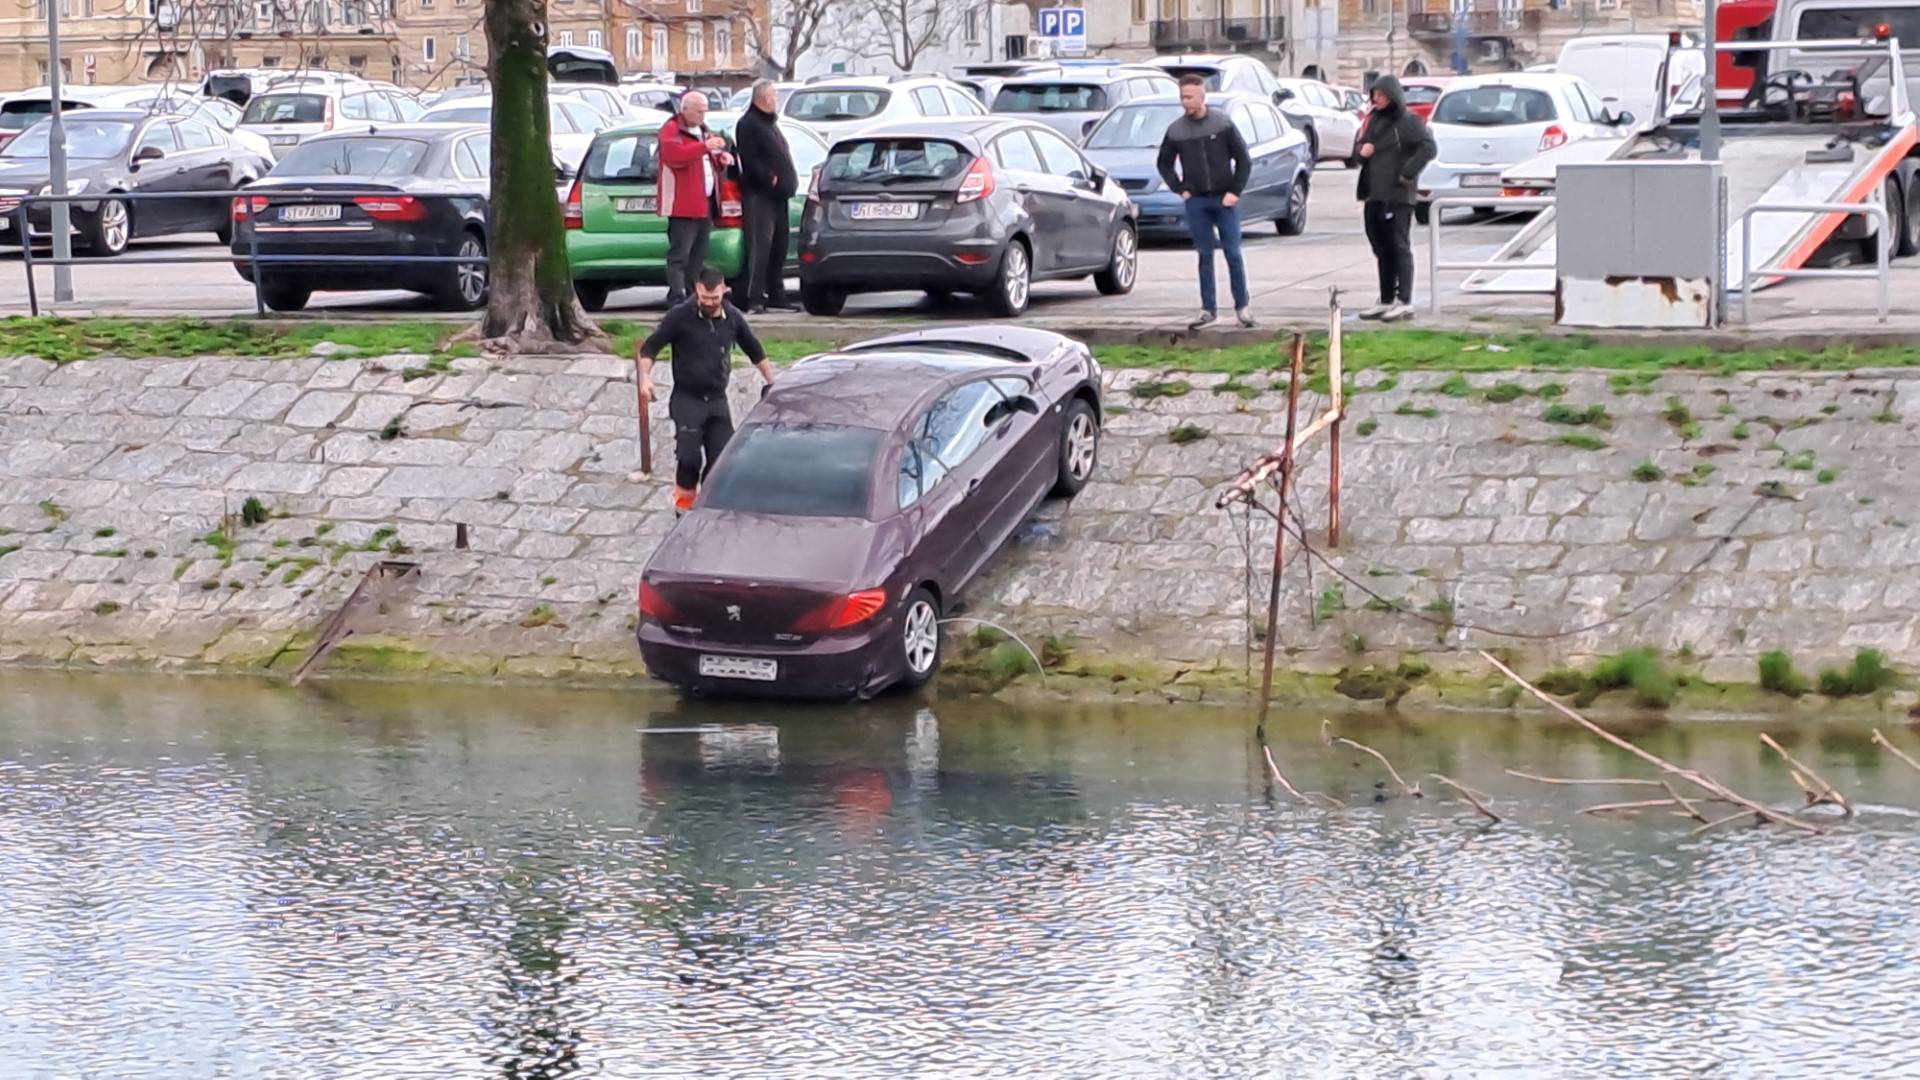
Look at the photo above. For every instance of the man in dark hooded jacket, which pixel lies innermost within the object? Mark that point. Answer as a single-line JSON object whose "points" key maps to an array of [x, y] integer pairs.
{"points": [[1393, 149]]}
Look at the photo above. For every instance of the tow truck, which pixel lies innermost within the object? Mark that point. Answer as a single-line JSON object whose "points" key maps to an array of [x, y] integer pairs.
{"points": [[1829, 119]]}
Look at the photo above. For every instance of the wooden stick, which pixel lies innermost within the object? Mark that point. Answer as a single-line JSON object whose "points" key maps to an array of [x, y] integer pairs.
{"points": [[1685, 804], [1620, 780], [1409, 789], [1711, 825], [1692, 776], [1894, 750], [1304, 796], [1829, 794], [1606, 808], [1478, 799]]}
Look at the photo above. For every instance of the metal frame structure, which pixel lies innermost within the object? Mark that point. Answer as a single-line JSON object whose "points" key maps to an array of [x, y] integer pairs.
{"points": [[1434, 265], [1883, 250]]}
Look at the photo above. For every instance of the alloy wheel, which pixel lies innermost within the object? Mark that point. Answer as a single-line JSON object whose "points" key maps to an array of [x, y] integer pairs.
{"points": [[113, 224], [922, 638], [1083, 443], [1126, 258], [1017, 283], [472, 277], [1297, 204]]}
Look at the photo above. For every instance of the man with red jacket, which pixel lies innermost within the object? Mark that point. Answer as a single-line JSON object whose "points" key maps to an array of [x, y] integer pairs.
{"points": [[693, 160]]}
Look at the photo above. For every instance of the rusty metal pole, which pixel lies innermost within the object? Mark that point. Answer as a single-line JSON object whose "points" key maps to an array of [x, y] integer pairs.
{"points": [[1280, 535], [642, 407], [1334, 375]]}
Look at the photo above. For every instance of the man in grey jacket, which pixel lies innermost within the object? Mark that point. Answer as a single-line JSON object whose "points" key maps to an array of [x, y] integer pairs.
{"points": [[1214, 167], [1393, 148]]}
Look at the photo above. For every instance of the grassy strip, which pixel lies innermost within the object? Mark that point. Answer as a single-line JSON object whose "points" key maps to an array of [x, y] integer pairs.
{"points": [[1387, 350]]}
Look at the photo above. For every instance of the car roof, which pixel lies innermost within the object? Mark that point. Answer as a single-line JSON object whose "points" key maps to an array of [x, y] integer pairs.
{"points": [[1081, 76], [129, 115], [1519, 80], [1200, 60], [873, 388], [418, 132], [981, 128], [645, 125]]}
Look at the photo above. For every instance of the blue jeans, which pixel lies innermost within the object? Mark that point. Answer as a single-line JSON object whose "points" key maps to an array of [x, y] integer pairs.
{"points": [[1205, 213]]}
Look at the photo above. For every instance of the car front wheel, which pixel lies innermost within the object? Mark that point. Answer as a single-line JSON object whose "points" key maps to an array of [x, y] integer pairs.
{"points": [[1013, 286], [465, 285], [920, 638], [1117, 278], [107, 231], [1079, 449], [822, 301]]}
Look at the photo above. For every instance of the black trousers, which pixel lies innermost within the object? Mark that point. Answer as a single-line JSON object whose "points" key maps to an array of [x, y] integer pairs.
{"points": [[767, 227], [702, 424], [686, 252], [1390, 231]]}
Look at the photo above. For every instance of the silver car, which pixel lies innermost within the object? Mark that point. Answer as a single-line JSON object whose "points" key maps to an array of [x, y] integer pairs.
{"points": [[1071, 102]]}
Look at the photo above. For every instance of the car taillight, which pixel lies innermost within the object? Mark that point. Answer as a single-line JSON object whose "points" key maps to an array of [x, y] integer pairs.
{"points": [[241, 207], [978, 183], [731, 214], [326, 117], [572, 217], [813, 185], [392, 207], [842, 612], [655, 607], [1552, 137]]}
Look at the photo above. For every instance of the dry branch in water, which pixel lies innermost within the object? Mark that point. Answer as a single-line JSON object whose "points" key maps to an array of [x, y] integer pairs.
{"points": [[1479, 799], [1644, 804], [1327, 735], [1609, 781], [1684, 803], [1696, 778], [1827, 794], [1894, 750], [1711, 825], [1304, 796]]}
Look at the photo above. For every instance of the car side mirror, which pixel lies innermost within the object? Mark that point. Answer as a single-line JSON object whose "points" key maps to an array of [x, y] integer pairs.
{"points": [[1622, 119], [1282, 95], [1097, 179], [1086, 129], [146, 154]]}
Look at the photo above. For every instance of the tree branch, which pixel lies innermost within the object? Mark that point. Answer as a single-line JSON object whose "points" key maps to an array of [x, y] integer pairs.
{"points": [[1477, 798], [1329, 738], [1894, 750], [1305, 797], [1609, 781], [1830, 794]]}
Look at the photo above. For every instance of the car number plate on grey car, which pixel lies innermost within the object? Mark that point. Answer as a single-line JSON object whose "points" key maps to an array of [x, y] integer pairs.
{"points": [[1480, 179], [316, 212], [639, 204], [885, 211], [738, 667]]}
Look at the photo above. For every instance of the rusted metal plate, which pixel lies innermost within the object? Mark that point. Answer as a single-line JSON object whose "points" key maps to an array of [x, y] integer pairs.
{"points": [[1652, 302]]}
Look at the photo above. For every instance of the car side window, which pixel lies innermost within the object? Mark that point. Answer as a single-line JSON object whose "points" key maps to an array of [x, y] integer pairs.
{"points": [[1061, 158], [194, 135], [1595, 107], [1279, 120], [1015, 151], [930, 102], [952, 429], [466, 159], [378, 108], [1264, 129], [158, 136], [584, 117], [808, 154], [1577, 105], [1242, 118], [407, 109], [560, 122], [962, 104], [354, 107]]}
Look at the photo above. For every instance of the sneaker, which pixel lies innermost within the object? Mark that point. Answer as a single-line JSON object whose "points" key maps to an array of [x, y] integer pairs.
{"points": [[1245, 315], [1396, 313], [1376, 311], [1206, 319]]}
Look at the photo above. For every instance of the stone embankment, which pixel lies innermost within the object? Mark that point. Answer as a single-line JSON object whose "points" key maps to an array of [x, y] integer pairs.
{"points": [[1535, 504]]}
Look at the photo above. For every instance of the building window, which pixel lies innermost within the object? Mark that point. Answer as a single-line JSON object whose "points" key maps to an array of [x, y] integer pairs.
{"points": [[722, 44], [594, 39], [427, 51], [463, 46], [357, 63], [693, 7], [633, 45], [269, 61], [566, 37], [660, 61], [973, 22], [1140, 10], [696, 42]]}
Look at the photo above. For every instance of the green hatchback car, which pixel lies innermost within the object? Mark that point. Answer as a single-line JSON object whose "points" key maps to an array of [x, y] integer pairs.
{"points": [[615, 234]]}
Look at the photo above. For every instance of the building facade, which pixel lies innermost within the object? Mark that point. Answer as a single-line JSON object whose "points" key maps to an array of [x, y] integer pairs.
{"points": [[1446, 37]]}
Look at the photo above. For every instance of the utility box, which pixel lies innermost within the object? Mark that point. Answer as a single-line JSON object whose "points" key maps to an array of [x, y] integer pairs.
{"points": [[1638, 244]]}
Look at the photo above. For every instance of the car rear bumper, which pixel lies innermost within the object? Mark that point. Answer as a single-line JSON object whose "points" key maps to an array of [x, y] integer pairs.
{"points": [[838, 667], [1443, 181], [641, 257], [378, 271], [1162, 216]]}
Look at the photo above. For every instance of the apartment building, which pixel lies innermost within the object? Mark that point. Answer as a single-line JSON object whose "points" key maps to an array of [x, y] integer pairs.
{"points": [[1294, 37], [1442, 37]]}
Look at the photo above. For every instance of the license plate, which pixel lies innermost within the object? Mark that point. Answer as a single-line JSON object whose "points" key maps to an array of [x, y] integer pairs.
{"points": [[321, 212], [638, 204], [282, 140], [1480, 179], [738, 667], [885, 211]]}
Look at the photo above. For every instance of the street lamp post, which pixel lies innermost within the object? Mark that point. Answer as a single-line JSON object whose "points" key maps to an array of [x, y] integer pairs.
{"points": [[57, 164], [1710, 85]]}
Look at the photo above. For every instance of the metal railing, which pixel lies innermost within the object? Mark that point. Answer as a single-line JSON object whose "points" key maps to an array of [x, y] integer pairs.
{"points": [[262, 200], [1882, 250], [1434, 265]]}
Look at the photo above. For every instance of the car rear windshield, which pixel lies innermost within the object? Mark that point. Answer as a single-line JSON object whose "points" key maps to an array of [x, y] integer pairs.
{"points": [[1828, 24], [1422, 95], [816, 470], [1212, 75], [1134, 127], [835, 105], [1494, 106], [624, 159], [15, 115], [882, 161], [1054, 97], [286, 109], [466, 114], [362, 156], [86, 138]]}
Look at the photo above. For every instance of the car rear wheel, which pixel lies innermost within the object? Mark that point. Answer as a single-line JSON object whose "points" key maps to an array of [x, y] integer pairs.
{"points": [[1900, 217], [1295, 221], [1079, 449], [1013, 286], [820, 300], [920, 638], [1117, 278], [465, 285], [108, 229], [285, 294], [592, 294]]}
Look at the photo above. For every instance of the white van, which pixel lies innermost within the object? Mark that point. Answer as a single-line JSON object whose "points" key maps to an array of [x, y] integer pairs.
{"points": [[1633, 73]]}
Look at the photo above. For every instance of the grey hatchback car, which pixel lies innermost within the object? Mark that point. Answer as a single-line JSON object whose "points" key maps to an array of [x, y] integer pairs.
{"points": [[1071, 102], [983, 205]]}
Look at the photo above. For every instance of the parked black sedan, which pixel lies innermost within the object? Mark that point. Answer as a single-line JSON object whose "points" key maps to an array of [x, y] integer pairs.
{"points": [[861, 496], [116, 153], [979, 204], [418, 190]]}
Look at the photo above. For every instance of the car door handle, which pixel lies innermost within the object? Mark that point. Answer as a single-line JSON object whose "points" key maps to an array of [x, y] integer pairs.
{"points": [[973, 485]]}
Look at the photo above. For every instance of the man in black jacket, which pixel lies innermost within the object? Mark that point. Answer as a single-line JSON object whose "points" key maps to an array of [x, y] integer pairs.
{"points": [[768, 182], [1393, 149], [1214, 167], [701, 334]]}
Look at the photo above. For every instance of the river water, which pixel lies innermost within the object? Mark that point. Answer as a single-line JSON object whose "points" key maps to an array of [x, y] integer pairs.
{"points": [[220, 878]]}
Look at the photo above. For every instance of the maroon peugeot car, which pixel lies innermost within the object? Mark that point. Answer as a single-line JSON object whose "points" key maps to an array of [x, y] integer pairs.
{"points": [[856, 502]]}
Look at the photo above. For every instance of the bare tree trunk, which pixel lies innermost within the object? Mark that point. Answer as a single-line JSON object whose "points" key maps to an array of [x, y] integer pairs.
{"points": [[531, 307]]}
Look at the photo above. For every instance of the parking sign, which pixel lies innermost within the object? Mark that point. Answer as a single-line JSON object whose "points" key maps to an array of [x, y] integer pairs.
{"points": [[1065, 27]]}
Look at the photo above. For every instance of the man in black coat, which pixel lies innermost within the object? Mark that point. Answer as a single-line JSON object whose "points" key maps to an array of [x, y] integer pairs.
{"points": [[768, 183], [1393, 149]]}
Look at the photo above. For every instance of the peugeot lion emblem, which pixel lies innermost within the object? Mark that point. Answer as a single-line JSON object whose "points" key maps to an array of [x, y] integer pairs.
{"points": [[733, 612]]}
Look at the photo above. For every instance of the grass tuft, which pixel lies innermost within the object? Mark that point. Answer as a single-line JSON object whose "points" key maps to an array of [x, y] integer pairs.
{"points": [[253, 512], [1591, 416], [1186, 433], [1160, 388], [1424, 412], [1582, 442], [1640, 670], [1647, 472], [1332, 602], [1777, 674], [1366, 427], [1456, 386], [1869, 674], [1501, 393]]}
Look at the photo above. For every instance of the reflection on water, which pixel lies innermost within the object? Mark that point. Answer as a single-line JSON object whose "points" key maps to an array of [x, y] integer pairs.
{"points": [[210, 878]]}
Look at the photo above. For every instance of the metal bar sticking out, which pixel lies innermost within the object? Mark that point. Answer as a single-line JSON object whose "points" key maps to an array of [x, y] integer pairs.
{"points": [[644, 406], [381, 576], [1280, 535], [26, 259], [1338, 411]]}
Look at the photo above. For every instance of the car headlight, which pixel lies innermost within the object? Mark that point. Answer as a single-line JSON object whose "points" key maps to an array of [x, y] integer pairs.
{"points": [[74, 187]]}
